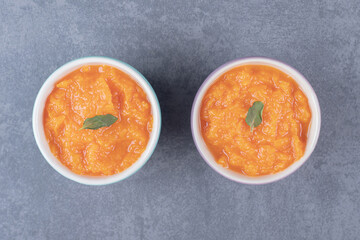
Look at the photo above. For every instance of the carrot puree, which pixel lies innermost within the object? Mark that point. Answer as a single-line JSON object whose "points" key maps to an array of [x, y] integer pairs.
{"points": [[277, 142], [97, 90]]}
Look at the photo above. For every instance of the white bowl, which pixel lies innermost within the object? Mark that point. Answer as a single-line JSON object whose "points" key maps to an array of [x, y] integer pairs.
{"points": [[313, 131], [38, 127]]}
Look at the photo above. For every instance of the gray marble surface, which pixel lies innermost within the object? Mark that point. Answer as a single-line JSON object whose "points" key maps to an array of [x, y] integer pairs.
{"points": [[176, 44]]}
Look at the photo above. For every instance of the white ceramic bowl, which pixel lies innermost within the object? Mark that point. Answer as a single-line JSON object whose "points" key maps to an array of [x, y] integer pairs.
{"points": [[39, 133], [313, 131]]}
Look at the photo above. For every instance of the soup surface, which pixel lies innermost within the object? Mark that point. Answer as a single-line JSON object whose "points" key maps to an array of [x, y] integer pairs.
{"points": [[277, 142], [97, 90]]}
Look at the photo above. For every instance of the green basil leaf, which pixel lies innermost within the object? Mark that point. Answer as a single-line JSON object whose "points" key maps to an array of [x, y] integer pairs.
{"points": [[99, 121], [254, 115]]}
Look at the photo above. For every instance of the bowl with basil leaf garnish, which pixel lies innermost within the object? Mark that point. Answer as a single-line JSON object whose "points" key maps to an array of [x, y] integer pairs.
{"points": [[96, 120], [255, 120]]}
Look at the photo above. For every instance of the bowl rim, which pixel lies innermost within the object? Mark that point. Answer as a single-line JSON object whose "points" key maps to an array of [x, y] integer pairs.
{"points": [[46, 89], [315, 121]]}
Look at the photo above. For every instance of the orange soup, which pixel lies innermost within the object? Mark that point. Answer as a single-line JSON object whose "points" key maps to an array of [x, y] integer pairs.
{"points": [[277, 142], [97, 90]]}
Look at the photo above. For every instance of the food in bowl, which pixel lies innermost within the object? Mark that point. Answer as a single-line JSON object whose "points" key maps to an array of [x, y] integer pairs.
{"points": [[97, 91], [277, 141]]}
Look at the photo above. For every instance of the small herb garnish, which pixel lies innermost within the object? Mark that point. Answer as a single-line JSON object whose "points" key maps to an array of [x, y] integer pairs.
{"points": [[254, 115], [99, 121]]}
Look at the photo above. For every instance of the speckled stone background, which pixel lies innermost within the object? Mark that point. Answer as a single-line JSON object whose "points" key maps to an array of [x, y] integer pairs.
{"points": [[176, 44]]}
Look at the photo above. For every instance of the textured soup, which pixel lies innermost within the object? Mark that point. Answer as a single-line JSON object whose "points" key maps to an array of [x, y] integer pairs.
{"points": [[277, 142], [97, 90]]}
